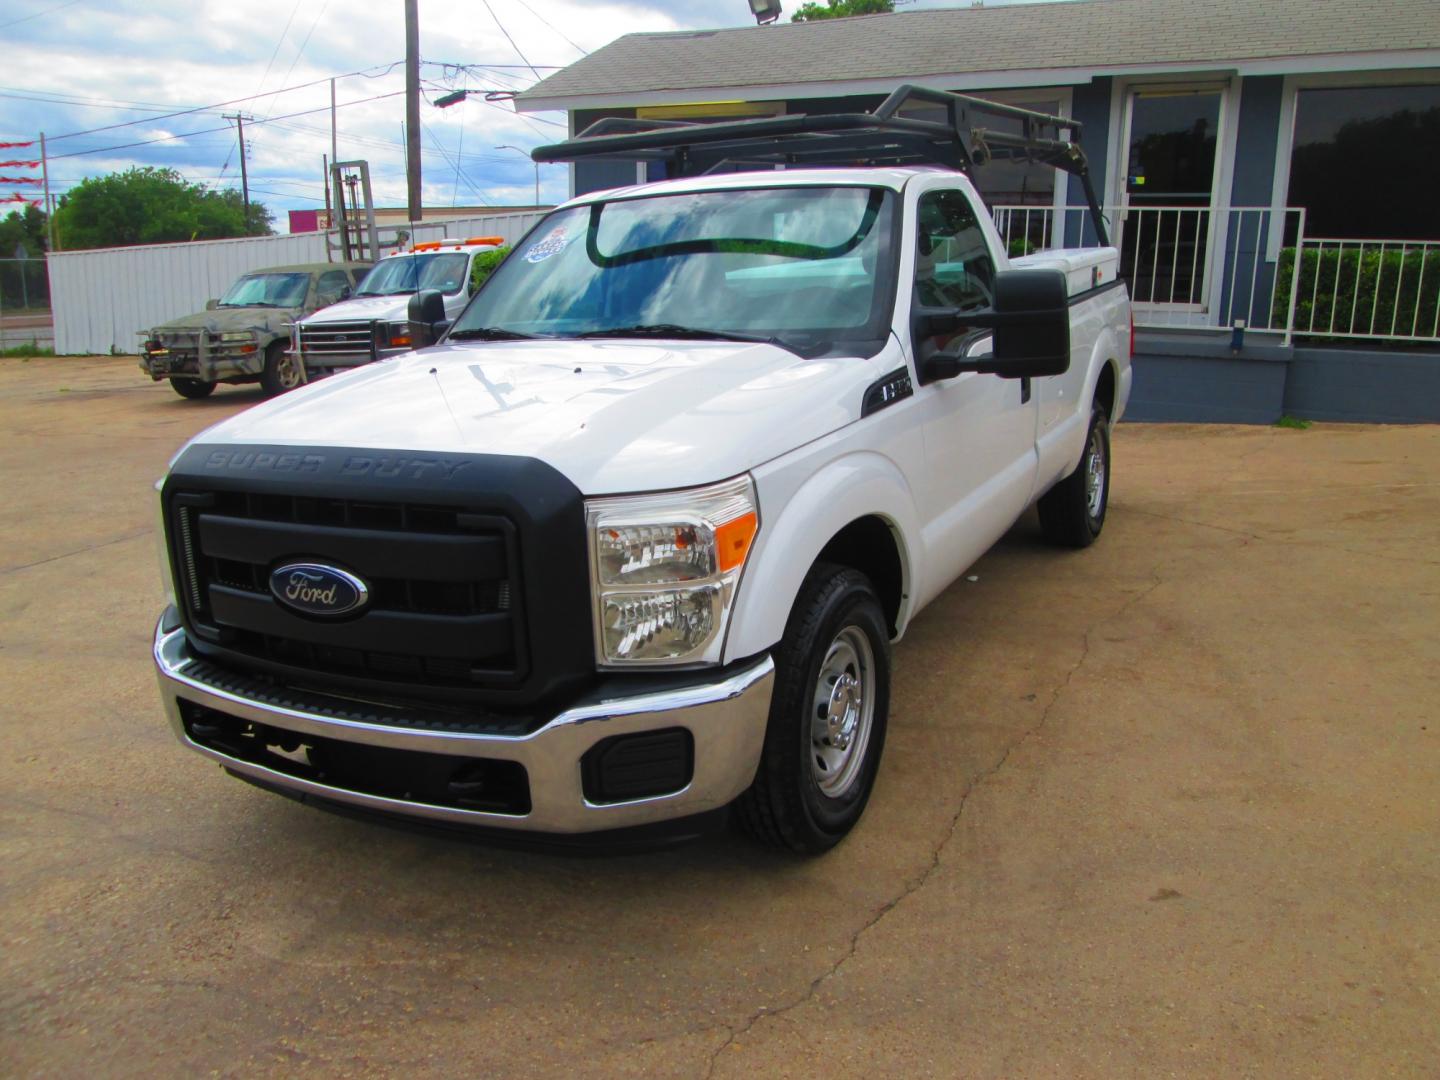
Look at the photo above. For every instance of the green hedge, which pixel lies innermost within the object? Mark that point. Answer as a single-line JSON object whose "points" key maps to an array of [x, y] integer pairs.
{"points": [[1403, 288], [484, 265]]}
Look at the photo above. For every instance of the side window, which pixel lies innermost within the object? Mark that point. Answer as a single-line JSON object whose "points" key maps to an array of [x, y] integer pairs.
{"points": [[953, 266], [331, 287]]}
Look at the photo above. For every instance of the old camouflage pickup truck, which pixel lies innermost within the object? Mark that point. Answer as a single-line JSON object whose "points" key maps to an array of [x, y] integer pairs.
{"points": [[243, 336]]}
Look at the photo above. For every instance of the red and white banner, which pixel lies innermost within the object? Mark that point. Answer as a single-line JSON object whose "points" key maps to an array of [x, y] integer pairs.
{"points": [[18, 198], [15, 145], [19, 164]]}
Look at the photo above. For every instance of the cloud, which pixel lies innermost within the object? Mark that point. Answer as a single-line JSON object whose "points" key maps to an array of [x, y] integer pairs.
{"points": [[126, 62]]}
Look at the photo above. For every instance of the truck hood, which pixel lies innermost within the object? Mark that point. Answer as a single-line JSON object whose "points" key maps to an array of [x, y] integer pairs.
{"points": [[364, 308], [612, 416], [270, 319]]}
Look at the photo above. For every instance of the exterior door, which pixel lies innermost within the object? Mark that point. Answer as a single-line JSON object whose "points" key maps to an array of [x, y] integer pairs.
{"points": [[979, 430], [1167, 222]]}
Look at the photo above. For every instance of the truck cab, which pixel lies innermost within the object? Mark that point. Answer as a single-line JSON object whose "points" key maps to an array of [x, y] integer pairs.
{"points": [[631, 545], [372, 324]]}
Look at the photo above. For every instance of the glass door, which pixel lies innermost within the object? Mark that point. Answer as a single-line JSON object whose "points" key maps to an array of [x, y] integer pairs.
{"points": [[1169, 195]]}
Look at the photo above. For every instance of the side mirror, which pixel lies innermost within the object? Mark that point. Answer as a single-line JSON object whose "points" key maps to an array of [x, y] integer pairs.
{"points": [[427, 317], [211, 304], [344, 294], [1032, 327], [1031, 323]]}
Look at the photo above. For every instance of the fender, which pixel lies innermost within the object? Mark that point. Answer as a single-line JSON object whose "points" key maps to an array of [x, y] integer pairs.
{"points": [[812, 510], [1060, 447]]}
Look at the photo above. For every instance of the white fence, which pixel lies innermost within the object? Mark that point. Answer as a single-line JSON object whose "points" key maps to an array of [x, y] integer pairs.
{"points": [[100, 298], [1368, 289], [1199, 266]]}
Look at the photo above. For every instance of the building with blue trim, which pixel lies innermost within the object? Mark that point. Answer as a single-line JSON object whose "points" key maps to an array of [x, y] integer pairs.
{"points": [[1271, 172]]}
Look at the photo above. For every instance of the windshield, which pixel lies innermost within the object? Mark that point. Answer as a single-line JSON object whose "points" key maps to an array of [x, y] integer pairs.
{"points": [[411, 273], [807, 267], [267, 290]]}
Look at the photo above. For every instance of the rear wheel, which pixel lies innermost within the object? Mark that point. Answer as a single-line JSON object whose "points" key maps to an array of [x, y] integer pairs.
{"points": [[283, 370], [192, 388], [828, 716], [1072, 513]]}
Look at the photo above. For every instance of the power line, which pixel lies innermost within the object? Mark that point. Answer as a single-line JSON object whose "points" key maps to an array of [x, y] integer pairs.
{"points": [[577, 48], [283, 34], [209, 131], [84, 104], [48, 11], [509, 38], [224, 104], [301, 51]]}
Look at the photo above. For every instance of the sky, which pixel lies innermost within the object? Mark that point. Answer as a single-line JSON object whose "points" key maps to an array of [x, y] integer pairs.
{"points": [[75, 66]]}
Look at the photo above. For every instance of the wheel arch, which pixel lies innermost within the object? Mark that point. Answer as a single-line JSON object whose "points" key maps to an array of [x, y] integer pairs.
{"points": [[857, 512]]}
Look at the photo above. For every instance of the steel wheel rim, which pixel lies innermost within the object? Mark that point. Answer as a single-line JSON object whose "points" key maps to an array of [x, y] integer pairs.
{"points": [[842, 712], [289, 371], [1095, 474]]}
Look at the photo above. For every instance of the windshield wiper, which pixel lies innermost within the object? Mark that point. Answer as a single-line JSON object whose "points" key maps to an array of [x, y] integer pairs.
{"points": [[488, 333], [674, 330]]}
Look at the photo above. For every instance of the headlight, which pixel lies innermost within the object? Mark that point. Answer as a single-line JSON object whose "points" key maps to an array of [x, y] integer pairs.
{"points": [[664, 569], [232, 337]]}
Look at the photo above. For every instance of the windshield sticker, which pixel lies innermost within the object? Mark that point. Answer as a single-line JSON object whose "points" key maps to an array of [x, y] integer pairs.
{"points": [[553, 244]]}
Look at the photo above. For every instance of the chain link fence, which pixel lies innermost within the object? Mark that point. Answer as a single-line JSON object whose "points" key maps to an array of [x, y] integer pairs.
{"points": [[25, 303]]}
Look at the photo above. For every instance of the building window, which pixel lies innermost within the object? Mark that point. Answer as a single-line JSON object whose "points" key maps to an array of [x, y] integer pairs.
{"points": [[1365, 162]]}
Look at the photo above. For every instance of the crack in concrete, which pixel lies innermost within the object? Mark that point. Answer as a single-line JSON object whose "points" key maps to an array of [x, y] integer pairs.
{"points": [[919, 881], [1262, 538], [77, 551]]}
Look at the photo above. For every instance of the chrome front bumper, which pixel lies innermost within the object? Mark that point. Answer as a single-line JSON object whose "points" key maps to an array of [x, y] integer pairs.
{"points": [[726, 719]]}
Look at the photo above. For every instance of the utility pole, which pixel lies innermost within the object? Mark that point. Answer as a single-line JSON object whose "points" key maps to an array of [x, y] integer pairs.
{"points": [[334, 153], [412, 106], [49, 208], [244, 175]]}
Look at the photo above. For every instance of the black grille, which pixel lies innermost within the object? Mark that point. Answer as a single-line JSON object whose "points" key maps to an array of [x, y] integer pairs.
{"points": [[443, 586]]}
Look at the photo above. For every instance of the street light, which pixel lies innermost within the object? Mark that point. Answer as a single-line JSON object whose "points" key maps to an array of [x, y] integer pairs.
{"points": [[765, 11], [518, 150]]}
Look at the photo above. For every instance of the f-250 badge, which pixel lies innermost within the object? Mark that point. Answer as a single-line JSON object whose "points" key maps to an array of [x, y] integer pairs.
{"points": [[314, 589]]}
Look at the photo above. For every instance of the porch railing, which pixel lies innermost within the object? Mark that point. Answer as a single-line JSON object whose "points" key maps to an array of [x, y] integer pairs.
{"points": [[1196, 266], [1378, 289]]}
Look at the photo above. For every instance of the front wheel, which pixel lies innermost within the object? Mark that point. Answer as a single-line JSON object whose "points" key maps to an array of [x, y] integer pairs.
{"points": [[1072, 513], [194, 389], [828, 716], [283, 370]]}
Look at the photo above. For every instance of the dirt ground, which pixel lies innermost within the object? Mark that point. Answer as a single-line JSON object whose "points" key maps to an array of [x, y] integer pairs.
{"points": [[1170, 806]]}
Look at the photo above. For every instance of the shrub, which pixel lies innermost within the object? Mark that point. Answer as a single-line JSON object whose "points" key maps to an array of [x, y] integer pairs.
{"points": [[1349, 291], [484, 265]]}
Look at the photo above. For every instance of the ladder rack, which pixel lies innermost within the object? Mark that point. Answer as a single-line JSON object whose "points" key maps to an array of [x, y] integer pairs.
{"points": [[879, 138]]}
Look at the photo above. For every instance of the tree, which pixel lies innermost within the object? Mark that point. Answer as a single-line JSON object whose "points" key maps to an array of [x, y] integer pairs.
{"points": [[24, 227], [22, 278], [152, 206], [841, 9]]}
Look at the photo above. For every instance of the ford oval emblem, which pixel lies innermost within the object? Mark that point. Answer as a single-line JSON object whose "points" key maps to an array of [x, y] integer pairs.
{"points": [[316, 589]]}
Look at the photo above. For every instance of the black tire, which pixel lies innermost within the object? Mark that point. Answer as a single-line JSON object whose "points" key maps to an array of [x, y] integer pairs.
{"points": [[1071, 513], [282, 371], [809, 791], [194, 389]]}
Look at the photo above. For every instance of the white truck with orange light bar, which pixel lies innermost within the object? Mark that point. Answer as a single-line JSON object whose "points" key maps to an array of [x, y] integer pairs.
{"points": [[372, 324], [628, 546]]}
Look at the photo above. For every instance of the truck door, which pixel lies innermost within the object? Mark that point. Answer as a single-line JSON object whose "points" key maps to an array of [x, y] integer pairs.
{"points": [[979, 430]]}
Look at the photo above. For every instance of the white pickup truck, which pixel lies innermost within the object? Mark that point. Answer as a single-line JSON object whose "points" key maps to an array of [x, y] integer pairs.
{"points": [[373, 323], [631, 544]]}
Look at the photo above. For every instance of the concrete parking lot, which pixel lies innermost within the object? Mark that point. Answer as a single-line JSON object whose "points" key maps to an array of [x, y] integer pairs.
{"points": [[1170, 806]]}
